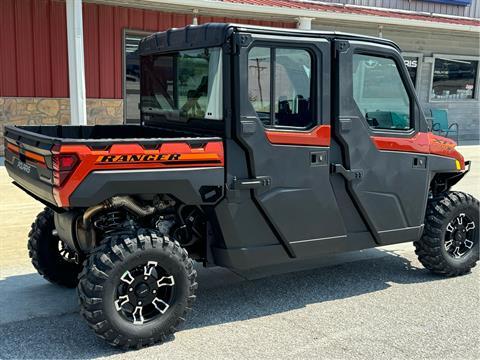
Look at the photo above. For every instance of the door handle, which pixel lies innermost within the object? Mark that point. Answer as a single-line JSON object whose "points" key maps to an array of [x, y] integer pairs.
{"points": [[255, 183], [354, 174], [318, 158], [345, 124], [248, 127]]}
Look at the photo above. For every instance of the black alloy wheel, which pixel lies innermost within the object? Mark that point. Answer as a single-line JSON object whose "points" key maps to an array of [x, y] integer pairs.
{"points": [[449, 245], [144, 293], [460, 236], [136, 290]]}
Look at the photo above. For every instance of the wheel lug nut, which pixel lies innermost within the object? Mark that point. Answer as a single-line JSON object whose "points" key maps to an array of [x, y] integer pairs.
{"points": [[131, 289], [154, 291], [145, 278], [139, 303]]}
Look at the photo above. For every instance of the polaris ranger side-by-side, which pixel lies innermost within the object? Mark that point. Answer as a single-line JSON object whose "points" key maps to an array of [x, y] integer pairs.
{"points": [[257, 147]]}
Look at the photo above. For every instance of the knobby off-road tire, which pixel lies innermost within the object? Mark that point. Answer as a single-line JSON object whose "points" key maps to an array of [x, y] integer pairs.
{"points": [[117, 278], [43, 249], [449, 245]]}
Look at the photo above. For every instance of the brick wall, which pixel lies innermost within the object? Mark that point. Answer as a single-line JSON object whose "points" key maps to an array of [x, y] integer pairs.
{"points": [[54, 111]]}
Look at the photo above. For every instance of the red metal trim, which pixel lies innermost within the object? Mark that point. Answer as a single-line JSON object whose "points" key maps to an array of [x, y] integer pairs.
{"points": [[33, 43], [41, 48], [318, 136], [58, 49], [8, 60], [24, 48], [91, 49]]}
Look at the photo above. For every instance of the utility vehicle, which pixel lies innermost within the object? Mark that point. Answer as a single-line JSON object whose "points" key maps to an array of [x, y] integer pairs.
{"points": [[256, 147]]}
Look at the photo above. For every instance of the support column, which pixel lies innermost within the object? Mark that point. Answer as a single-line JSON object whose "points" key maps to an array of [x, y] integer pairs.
{"points": [[195, 17], [304, 23], [76, 65]]}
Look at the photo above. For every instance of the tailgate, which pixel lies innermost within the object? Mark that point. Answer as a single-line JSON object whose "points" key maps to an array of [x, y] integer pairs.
{"points": [[28, 161]]}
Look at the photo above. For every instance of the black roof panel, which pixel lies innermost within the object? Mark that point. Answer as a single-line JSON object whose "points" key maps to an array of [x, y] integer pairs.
{"points": [[215, 34]]}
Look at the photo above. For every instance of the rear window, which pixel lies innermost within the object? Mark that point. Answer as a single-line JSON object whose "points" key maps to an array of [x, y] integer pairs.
{"points": [[184, 85]]}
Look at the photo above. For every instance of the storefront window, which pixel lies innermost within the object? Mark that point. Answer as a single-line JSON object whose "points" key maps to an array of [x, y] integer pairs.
{"points": [[412, 62], [454, 79]]}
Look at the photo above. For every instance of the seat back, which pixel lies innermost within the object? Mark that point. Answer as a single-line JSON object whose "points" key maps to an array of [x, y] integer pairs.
{"points": [[440, 116]]}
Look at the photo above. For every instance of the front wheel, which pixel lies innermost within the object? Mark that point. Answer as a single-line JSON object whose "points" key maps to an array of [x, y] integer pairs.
{"points": [[134, 291], [449, 245]]}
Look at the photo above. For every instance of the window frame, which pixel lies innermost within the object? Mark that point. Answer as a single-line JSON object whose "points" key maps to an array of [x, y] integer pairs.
{"points": [[419, 56], [125, 33], [314, 78], [476, 87], [405, 77]]}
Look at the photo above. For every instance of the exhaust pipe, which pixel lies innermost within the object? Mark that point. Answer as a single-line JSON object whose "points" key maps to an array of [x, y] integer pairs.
{"points": [[85, 234], [117, 202], [127, 202]]}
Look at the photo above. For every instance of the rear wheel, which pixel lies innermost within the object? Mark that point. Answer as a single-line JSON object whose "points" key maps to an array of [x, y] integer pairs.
{"points": [[50, 256], [135, 290], [450, 245]]}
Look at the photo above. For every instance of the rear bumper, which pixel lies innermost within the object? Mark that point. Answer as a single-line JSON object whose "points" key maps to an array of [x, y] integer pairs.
{"points": [[40, 190]]}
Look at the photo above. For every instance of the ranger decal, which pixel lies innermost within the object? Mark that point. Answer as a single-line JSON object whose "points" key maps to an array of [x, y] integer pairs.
{"points": [[137, 158], [156, 158]]}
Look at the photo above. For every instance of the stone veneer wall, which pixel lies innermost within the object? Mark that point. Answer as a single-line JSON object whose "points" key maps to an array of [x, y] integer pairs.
{"points": [[53, 111]]}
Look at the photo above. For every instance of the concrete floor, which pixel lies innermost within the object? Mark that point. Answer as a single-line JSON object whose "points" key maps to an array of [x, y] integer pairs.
{"points": [[377, 303]]}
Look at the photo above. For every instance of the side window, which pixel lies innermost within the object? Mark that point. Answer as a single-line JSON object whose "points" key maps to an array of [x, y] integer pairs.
{"points": [[259, 72], [380, 93], [289, 102]]}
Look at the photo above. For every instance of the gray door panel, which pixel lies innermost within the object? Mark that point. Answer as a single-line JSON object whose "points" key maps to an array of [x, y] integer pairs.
{"points": [[390, 190], [299, 201]]}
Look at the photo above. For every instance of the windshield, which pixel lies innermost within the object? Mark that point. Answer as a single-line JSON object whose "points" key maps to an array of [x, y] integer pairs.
{"points": [[184, 85]]}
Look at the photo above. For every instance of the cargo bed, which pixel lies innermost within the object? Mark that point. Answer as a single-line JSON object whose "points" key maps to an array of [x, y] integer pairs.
{"points": [[94, 134], [49, 162]]}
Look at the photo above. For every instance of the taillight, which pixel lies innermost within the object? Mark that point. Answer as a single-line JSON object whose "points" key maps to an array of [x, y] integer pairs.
{"points": [[67, 161], [63, 166]]}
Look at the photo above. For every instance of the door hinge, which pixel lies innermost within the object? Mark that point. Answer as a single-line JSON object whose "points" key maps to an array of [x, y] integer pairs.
{"points": [[354, 174], [341, 45], [255, 183]]}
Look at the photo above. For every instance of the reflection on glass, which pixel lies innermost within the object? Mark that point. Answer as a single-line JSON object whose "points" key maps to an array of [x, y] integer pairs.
{"points": [[454, 79], [184, 85], [132, 78], [291, 86], [259, 69], [379, 92]]}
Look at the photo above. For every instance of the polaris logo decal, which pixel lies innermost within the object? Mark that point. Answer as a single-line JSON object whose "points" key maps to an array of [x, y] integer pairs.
{"points": [[24, 167]]}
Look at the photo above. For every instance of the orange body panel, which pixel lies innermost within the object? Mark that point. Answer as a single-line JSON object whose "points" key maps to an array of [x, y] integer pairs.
{"points": [[318, 136], [424, 143], [134, 156]]}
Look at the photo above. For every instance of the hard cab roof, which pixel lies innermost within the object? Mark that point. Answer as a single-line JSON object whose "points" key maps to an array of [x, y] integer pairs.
{"points": [[216, 34]]}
